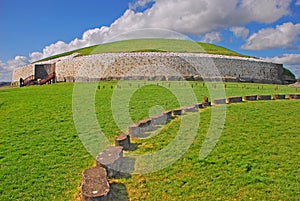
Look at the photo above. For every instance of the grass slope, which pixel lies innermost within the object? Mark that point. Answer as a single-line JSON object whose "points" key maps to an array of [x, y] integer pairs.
{"points": [[151, 45], [41, 156]]}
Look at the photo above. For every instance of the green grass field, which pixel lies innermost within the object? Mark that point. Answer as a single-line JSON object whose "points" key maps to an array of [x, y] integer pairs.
{"points": [[151, 45], [41, 156]]}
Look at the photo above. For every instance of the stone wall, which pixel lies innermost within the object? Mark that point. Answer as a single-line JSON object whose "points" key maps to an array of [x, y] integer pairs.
{"points": [[162, 66], [22, 72]]}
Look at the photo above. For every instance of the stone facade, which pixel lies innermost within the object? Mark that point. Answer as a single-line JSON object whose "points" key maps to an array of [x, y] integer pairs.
{"points": [[158, 66]]}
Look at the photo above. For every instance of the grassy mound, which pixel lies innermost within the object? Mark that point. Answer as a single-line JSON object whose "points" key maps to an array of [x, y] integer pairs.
{"points": [[151, 45]]}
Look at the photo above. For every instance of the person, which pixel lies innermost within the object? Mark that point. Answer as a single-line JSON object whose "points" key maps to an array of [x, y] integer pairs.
{"points": [[21, 82]]}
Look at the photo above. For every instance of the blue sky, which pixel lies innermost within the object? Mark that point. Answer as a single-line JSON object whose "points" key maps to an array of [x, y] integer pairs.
{"points": [[33, 29]]}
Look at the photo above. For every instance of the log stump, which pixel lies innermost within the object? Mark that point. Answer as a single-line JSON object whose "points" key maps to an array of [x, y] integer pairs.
{"points": [[168, 114], [264, 97], [220, 101], [134, 130], [123, 140], [250, 98], [279, 96], [95, 186], [160, 119], [111, 160], [145, 125], [294, 96], [177, 112], [191, 109], [237, 99]]}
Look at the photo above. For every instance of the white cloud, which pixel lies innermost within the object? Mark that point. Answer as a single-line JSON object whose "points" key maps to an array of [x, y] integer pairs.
{"points": [[188, 17], [192, 17], [240, 32], [288, 59], [283, 36], [35, 56], [298, 3], [291, 61], [211, 37], [6, 68], [16, 62]]}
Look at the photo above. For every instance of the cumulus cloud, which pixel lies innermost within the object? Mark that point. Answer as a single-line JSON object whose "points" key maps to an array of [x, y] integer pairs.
{"points": [[298, 3], [211, 37], [6, 68], [291, 61], [240, 32], [192, 17], [283, 36]]}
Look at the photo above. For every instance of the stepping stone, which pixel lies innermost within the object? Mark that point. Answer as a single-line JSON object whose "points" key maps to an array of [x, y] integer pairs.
{"points": [[294, 96], [94, 184], [206, 104], [168, 114], [145, 125], [264, 97], [200, 105], [134, 130], [250, 98], [177, 112], [123, 140], [237, 99], [220, 101], [160, 119], [191, 109], [111, 160], [279, 96]]}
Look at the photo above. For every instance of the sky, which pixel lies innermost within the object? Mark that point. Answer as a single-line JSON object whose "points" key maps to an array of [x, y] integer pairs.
{"points": [[34, 29]]}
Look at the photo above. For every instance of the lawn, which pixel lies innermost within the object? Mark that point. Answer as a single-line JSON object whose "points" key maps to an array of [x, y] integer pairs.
{"points": [[41, 156], [256, 158], [151, 45]]}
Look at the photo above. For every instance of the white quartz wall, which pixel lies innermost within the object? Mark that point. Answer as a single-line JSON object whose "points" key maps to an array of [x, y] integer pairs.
{"points": [[168, 65]]}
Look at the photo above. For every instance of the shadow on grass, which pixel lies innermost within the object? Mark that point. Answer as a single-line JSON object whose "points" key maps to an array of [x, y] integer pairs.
{"points": [[134, 146], [118, 192]]}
